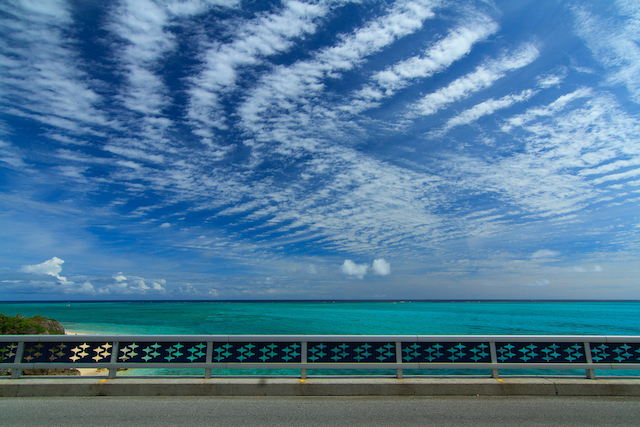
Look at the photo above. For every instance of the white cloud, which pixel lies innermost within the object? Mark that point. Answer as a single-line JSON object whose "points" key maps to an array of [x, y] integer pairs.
{"points": [[140, 286], [483, 77], [544, 176], [133, 284], [546, 111], [40, 70], [258, 38], [537, 283], [189, 290], [550, 80], [142, 39], [283, 91], [12, 157], [404, 18], [610, 167], [143, 25], [487, 107], [618, 176], [581, 269], [133, 153], [85, 288], [158, 285], [352, 269], [381, 267], [438, 57], [165, 225], [119, 277], [52, 267], [435, 59], [492, 105], [544, 253], [614, 43]]}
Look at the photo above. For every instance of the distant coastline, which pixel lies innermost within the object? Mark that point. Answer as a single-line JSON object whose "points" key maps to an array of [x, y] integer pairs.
{"points": [[316, 301]]}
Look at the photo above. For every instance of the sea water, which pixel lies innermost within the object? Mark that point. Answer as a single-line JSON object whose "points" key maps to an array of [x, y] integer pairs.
{"points": [[341, 318]]}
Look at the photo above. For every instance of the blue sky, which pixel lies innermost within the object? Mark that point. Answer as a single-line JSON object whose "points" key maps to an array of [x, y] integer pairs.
{"points": [[331, 149]]}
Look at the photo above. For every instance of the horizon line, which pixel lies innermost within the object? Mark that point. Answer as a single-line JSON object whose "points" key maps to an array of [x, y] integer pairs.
{"points": [[318, 300]]}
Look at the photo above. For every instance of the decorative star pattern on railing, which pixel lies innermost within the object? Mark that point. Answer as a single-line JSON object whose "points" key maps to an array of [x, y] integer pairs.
{"points": [[351, 352], [8, 352], [540, 352], [96, 351], [222, 352], [67, 352], [615, 352], [446, 352], [162, 352]]}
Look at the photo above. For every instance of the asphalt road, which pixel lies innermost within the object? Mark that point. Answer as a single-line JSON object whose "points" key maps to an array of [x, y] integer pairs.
{"points": [[320, 411]]}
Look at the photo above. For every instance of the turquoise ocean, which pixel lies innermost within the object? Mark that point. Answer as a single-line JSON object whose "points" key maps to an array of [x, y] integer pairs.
{"points": [[341, 317]]}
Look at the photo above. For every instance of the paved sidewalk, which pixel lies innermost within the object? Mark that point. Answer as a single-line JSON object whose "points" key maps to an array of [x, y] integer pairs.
{"points": [[180, 386]]}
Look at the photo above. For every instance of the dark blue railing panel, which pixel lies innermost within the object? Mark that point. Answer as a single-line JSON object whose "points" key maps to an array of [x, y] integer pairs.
{"points": [[67, 352], [540, 352], [351, 352], [259, 352], [8, 352], [615, 352], [222, 352], [446, 352], [162, 352]]}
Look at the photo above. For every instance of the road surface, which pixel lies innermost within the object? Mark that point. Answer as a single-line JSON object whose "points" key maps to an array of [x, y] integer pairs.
{"points": [[319, 411]]}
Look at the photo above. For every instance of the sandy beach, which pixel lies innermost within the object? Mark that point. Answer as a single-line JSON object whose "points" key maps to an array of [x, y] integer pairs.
{"points": [[88, 372], [69, 332]]}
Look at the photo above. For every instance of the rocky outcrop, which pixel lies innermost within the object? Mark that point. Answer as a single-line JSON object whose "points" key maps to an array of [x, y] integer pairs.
{"points": [[28, 372], [36, 325], [65, 372], [51, 326]]}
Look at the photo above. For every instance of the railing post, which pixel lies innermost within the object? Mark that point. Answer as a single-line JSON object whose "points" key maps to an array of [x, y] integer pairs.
{"points": [[208, 359], [591, 373], [494, 359], [15, 373], [399, 359], [114, 359], [303, 359]]}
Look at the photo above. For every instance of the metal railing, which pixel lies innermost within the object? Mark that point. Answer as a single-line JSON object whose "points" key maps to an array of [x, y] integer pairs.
{"points": [[371, 352]]}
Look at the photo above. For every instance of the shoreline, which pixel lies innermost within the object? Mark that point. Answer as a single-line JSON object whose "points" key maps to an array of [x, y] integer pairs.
{"points": [[87, 372], [68, 332]]}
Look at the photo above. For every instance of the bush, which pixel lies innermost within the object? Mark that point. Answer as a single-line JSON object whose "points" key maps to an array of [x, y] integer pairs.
{"points": [[37, 325]]}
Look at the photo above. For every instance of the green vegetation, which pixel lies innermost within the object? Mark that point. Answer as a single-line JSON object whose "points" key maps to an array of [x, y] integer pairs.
{"points": [[36, 325]]}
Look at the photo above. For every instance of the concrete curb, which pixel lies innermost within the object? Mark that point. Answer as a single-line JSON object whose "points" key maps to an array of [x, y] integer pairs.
{"points": [[67, 387]]}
